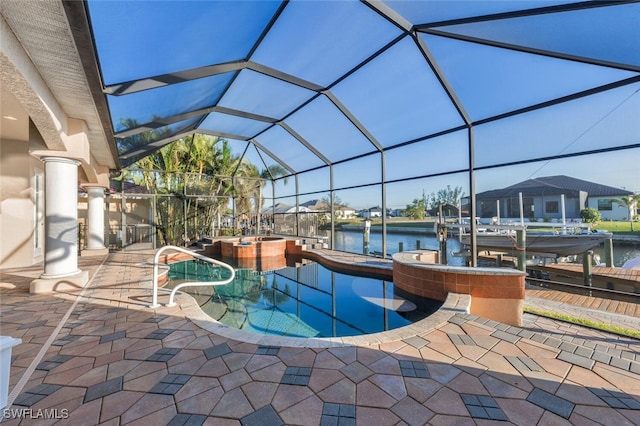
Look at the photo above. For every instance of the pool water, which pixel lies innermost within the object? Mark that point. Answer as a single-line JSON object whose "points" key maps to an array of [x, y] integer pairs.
{"points": [[305, 301]]}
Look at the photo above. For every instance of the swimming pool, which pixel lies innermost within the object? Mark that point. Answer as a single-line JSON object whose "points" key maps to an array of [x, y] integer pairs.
{"points": [[309, 300]]}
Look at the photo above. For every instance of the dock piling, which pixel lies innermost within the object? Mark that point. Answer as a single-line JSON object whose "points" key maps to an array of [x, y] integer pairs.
{"points": [[521, 242], [608, 252], [587, 269]]}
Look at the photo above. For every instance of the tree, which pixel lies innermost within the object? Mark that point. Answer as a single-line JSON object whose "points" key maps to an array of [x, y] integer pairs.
{"points": [[631, 202], [270, 173], [337, 202], [416, 209], [158, 174], [245, 188], [446, 196], [189, 170]]}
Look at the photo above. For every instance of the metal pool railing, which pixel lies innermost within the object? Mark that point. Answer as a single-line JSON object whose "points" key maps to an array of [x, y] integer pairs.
{"points": [[155, 304]]}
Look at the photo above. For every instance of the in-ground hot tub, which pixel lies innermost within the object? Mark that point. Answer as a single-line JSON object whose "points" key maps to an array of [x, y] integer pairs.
{"points": [[253, 247]]}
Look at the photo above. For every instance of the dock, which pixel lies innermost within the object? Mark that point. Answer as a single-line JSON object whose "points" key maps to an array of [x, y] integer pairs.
{"points": [[627, 280], [590, 304]]}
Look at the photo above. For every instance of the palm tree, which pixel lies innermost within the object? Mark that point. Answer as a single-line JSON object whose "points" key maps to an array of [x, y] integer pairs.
{"points": [[270, 173], [245, 182], [159, 174], [211, 162], [631, 201], [189, 166], [249, 185]]}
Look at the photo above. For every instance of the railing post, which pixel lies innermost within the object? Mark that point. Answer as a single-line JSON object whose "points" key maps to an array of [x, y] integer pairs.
{"points": [[400, 246], [154, 300]]}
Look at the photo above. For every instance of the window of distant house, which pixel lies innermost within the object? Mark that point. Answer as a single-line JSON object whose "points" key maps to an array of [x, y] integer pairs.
{"points": [[605, 204], [551, 207]]}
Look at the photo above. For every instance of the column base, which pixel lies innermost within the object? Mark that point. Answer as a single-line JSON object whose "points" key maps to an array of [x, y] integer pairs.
{"points": [[70, 284], [94, 252]]}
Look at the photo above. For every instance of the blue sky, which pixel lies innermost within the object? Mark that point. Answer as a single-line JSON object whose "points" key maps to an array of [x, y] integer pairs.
{"points": [[394, 95]]}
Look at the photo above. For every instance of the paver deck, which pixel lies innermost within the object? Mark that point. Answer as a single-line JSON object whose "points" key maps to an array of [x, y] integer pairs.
{"points": [[101, 356]]}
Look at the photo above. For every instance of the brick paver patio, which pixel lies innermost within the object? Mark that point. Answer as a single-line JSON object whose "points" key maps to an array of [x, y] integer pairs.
{"points": [[101, 356]]}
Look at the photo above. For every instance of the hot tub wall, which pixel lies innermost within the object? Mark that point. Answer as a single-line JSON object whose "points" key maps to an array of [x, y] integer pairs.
{"points": [[497, 294], [253, 248]]}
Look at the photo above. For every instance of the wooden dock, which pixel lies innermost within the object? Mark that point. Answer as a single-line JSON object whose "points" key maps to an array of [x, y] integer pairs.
{"points": [[591, 302], [622, 280], [627, 280]]}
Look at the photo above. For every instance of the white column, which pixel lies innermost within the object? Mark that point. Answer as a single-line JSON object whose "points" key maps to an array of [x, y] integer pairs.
{"points": [[61, 217], [95, 230]]}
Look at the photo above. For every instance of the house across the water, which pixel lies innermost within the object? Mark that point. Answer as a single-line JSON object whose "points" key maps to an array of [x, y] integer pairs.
{"points": [[542, 199]]}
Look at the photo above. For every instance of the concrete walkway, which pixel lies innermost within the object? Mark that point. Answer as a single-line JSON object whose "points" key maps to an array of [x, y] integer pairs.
{"points": [[101, 356]]}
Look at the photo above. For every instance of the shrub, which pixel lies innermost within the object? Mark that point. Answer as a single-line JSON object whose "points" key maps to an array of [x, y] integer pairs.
{"points": [[590, 215]]}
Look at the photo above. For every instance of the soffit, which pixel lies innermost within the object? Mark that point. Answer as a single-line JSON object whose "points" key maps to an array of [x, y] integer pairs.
{"points": [[43, 30]]}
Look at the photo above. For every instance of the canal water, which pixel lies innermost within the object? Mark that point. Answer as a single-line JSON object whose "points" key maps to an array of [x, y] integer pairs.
{"points": [[352, 241]]}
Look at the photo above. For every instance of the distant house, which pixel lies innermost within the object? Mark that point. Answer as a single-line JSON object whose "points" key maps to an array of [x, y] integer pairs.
{"points": [[395, 212], [341, 212], [371, 213], [316, 205], [282, 208], [542, 198], [345, 212], [448, 210]]}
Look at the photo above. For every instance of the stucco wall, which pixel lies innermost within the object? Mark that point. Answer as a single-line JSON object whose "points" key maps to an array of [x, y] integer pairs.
{"points": [[618, 210], [17, 211]]}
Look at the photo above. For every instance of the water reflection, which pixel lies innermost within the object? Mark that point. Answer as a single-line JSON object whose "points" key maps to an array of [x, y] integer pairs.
{"points": [[352, 242]]}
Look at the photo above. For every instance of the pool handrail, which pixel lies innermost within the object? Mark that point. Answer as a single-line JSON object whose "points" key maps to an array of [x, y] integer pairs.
{"points": [[156, 259]]}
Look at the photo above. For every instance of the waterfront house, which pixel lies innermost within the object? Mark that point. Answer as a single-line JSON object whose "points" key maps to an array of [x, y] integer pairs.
{"points": [[542, 199]]}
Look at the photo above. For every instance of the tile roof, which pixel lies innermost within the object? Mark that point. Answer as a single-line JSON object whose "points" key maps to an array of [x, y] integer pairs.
{"points": [[559, 184]]}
